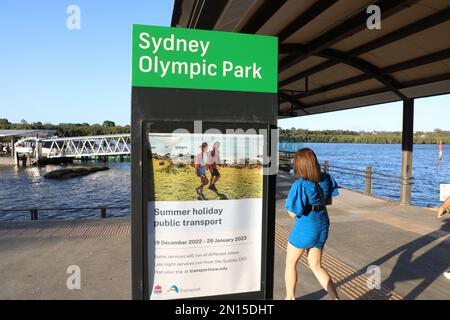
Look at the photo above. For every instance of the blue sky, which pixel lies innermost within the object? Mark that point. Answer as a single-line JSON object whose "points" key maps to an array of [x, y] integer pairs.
{"points": [[52, 74], [49, 73]]}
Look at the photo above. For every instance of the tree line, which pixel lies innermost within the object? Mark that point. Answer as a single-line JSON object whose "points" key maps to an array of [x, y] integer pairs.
{"points": [[286, 135], [348, 136], [69, 129]]}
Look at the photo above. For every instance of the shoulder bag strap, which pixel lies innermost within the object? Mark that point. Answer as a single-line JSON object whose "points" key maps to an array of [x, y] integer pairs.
{"points": [[322, 197]]}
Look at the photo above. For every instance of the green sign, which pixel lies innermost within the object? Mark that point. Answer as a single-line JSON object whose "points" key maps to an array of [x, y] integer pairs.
{"points": [[199, 59]]}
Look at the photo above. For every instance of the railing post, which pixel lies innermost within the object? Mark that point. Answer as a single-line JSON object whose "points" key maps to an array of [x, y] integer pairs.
{"points": [[326, 166], [34, 214], [368, 189], [103, 212]]}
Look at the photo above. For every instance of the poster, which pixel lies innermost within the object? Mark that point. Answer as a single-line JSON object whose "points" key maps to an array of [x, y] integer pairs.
{"points": [[205, 214]]}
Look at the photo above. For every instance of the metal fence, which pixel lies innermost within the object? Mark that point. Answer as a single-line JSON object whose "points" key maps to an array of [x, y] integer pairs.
{"points": [[34, 212], [371, 177]]}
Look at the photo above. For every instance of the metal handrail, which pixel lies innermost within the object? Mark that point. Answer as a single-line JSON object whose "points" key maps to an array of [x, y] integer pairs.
{"points": [[34, 211], [370, 176], [382, 174], [126, 135], [383, 178], [64, 209], [348, 169]]}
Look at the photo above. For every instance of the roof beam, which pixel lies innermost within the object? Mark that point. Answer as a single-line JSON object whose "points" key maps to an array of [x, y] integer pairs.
{"points": [[412, 28], [345, 29], [416, 62], [290, 99], [336, 85], [262, 15], [413, 63], [418, 82], [367, 68], [348, 97], [415, 27], [427, 80], [303, 19]]}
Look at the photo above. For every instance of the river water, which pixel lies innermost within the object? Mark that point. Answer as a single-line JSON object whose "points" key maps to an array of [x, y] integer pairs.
{"points": [[428, 171], [27, 187]]}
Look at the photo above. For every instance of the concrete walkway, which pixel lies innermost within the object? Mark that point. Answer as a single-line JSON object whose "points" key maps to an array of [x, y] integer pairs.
{"points": [[34, 256], [409, 245]]}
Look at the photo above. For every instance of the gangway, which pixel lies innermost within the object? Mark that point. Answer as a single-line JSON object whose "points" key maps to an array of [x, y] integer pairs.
{"points": [[87, 146], [39, 149]]}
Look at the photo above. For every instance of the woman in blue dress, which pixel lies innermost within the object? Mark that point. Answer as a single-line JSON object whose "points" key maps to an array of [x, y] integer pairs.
{"points": [[306, 203]]}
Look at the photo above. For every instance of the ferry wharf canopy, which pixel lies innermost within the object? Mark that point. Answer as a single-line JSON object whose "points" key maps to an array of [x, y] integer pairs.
{"points": [[337, 55]]}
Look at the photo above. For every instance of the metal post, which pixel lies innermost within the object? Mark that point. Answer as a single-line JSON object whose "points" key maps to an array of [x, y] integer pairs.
{"points": [[12, 149], [326, 166], [103, 212], [407, 151], [368, 189], [34, 214]]}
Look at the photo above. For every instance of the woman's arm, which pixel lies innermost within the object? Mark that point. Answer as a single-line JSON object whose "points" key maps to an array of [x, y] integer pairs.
{"points": [[291, 214], [443, 206]]}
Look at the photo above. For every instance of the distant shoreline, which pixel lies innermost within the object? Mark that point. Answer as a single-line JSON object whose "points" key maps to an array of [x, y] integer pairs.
{"points": [[364, 137]]}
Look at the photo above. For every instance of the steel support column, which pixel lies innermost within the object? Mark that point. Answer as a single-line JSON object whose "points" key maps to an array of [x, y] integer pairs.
{"points": [[407, 151], [12, 149]]}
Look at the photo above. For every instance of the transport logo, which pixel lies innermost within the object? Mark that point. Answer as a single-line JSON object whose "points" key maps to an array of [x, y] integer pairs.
{"points": [[157, 289], [174, 288]]}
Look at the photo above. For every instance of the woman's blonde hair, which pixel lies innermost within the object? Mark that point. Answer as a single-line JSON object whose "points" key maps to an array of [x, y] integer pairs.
{"points": [[306, 165]]}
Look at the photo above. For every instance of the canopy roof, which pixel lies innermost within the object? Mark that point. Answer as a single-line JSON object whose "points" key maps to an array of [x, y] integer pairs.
{"points": [[328, 59], [25, 133]]}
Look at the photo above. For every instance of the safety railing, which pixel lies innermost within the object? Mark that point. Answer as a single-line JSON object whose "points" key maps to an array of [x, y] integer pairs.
{"points": [[370, 176], [34, 212]]}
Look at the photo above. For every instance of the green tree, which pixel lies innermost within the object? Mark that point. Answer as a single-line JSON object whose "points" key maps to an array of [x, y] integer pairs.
{"points": [[108, 123]]}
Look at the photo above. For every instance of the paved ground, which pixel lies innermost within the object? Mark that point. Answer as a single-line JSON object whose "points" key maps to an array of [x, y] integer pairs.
{"points": [[410, 246], [34, 257]]}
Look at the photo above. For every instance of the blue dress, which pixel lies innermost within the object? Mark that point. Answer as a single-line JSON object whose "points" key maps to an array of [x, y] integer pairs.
{"points": [[311, 227]]}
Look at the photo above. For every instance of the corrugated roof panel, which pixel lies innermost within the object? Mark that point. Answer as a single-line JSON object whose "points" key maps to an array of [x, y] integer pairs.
{"points": [[424, 71], [287, 13], [233, 13], [414, 46], [392, 23], [327, 20], [302, 66]]}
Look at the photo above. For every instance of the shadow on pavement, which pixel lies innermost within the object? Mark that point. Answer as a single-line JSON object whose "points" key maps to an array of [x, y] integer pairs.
{"points": [[426, 267]]}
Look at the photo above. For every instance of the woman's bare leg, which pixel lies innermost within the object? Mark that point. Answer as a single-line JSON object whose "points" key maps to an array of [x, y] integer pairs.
{"points": [[204, 181], [293, 254], [213, 179], [315, 263]]}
